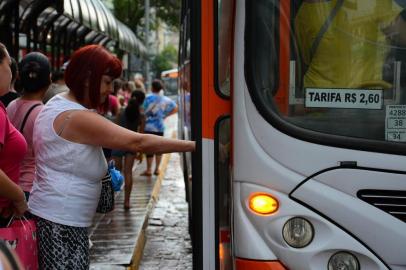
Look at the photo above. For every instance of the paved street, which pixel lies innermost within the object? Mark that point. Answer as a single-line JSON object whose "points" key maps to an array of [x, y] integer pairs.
{"points": [[168, 243]]}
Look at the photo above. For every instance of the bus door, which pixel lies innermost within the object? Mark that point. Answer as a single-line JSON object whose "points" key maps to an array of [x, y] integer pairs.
{"points": [[217, 30], [205, 116], [319, 118]]}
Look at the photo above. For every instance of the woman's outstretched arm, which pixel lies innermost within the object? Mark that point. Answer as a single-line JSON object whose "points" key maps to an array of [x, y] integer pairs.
{"points": [[90, 128]]}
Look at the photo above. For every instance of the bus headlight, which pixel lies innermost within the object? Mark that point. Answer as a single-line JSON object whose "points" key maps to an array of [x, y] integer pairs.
{"points": [[298, 232], [343, 261], [263, 204]]}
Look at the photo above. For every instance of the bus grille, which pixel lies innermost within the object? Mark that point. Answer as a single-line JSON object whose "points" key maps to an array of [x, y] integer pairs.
{"points": [[392, 202]]}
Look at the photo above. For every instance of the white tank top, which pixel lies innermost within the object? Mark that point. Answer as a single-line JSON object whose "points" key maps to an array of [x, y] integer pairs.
{"points": [[68, 177]]}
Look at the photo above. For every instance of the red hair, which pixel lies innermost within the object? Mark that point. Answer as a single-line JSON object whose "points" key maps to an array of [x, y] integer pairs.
{"points": [[89, 64]]}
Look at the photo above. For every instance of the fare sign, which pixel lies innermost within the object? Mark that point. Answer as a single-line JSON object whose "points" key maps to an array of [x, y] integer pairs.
{"points": [[395, 123], [343, 98]]}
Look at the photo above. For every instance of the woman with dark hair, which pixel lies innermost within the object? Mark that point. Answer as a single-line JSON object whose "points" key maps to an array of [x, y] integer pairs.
{"points": [[12, 94], [68, 140], [133, 119], [12, 150], [35, 77]]}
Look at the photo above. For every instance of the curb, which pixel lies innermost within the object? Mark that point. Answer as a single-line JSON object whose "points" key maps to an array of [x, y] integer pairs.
{"points": [[140, 242]]}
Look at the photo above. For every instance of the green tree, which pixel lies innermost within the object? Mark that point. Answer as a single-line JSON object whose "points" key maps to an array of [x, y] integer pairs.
{"points": [[168, 11], [131, 12], [167, 59]]}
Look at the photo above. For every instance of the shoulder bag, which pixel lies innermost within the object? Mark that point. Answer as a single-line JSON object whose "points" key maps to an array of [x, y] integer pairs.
{"points": [[106, 201]]}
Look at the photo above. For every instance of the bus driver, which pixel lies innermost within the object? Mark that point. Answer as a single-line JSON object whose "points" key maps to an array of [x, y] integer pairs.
{"points": [[346, 45]]}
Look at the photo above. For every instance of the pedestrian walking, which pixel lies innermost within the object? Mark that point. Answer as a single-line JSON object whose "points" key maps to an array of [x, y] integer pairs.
{"points": [[132, 118], [68, 139], [156, 108]]}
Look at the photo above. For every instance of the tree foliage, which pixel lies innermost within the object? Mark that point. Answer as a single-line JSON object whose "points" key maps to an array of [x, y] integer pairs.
{"points": [[132, 12], [168, 11], [167, 59]]}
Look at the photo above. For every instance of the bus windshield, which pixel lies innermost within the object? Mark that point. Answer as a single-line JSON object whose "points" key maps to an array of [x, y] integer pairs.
{"points": [[337, 67]]}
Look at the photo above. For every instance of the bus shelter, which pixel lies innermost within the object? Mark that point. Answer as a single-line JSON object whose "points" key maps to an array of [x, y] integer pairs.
{"points": [[58, 27]]}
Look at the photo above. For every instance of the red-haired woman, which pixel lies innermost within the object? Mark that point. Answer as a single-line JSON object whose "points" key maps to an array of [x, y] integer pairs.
{"points": [[68, 136]]}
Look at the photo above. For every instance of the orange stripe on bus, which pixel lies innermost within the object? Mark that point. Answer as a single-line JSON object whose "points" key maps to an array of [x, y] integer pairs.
{"points": [[212, 105], [243, 264], [211, 112]]}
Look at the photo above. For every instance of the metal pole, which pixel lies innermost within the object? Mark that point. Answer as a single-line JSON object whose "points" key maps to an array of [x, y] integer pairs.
{"points": [[147, 56], [128, 53]]}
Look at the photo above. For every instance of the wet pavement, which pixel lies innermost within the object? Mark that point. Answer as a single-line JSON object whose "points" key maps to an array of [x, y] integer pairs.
{"points": [[168, 243], [153, 234], [114, 236]]}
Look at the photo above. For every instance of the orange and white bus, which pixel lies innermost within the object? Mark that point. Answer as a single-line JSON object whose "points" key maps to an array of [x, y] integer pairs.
{"points": [[298, 108], [170, 80]]}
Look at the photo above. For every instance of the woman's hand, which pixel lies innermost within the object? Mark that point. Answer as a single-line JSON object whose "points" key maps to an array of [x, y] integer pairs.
{"points": [[11, 191], [20, 207]]}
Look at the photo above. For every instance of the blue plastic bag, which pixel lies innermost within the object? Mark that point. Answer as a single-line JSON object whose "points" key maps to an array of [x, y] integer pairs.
{"points": [[116, 178]]}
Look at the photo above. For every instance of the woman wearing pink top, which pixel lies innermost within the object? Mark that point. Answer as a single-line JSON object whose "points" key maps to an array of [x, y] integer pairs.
{"points": [[35, 79], [12, 150]]}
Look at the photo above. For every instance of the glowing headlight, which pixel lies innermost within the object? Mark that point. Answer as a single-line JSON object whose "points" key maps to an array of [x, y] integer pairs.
{"points": [[343, 261], [298, 232]]}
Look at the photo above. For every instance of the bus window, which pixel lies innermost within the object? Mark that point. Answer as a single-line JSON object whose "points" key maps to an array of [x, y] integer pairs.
{"points": [[341, 66], [225, 10], [223, 195]]}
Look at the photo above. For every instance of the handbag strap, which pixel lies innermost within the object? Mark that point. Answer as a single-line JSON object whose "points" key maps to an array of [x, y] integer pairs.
{"points": [[26, 116], [323, 29], [107, 177], [14, 217], [65, 121]]}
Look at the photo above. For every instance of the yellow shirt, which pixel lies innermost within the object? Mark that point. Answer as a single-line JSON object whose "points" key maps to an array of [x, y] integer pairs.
{"points": [[353, 49]]}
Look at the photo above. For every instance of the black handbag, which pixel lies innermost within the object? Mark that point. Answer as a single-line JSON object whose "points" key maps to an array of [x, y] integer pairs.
{"points": [[106, 201]]}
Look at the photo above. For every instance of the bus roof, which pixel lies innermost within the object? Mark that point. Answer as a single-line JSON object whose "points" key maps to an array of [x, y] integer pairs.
{"points": [[171, 73]]}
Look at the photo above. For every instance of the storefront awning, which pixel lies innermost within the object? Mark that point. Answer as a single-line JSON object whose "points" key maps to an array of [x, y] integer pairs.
{"points": [[128, 40]]}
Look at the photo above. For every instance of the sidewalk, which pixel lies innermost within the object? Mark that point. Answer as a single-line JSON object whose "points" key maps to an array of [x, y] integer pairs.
{"points": [[118, 237]]}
